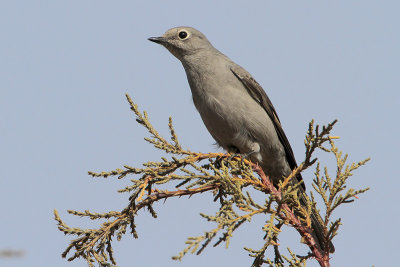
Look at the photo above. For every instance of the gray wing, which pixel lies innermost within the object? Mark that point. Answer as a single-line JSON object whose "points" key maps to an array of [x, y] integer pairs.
{"points": [[258, 93]]}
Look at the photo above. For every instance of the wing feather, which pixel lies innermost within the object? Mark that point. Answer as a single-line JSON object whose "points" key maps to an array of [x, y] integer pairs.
{"points": [[259, 95]]}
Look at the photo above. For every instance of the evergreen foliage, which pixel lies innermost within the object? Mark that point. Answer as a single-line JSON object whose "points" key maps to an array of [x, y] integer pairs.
{"points": [[228, 178]]}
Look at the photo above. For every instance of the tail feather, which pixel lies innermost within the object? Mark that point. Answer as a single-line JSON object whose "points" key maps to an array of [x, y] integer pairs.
{"points": [[317, 228]]}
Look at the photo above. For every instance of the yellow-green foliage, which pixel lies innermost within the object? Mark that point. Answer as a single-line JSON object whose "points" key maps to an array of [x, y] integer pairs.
{"points": [[227, 177]]}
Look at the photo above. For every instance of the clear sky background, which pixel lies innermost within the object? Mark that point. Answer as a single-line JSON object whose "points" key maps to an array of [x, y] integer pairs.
{"points": [[66, 65]]}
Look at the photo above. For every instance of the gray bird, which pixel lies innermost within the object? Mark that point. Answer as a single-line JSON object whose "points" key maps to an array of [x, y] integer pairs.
{"points": [[234, 107]]}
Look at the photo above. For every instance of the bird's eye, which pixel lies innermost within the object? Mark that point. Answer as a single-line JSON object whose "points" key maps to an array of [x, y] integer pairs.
{"points": [[183, 35]]}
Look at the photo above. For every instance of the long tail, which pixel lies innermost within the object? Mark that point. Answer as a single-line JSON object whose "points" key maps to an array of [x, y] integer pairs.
{"points": [[318, 229]]}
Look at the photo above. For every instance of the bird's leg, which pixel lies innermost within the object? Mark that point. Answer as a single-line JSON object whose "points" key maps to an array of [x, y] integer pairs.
{"points": [[217, 162], [245, 156], [234, 151], [254, 149]]}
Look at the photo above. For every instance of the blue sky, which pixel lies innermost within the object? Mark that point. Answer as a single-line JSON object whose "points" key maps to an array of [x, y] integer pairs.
{"points": [[66, 65]]}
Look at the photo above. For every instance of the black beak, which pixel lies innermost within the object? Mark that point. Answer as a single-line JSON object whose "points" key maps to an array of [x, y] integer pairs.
{"points": [[158, 40]]}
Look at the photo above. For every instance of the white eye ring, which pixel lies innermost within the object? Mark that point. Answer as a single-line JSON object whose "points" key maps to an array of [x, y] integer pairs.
{"points": [[183, 34]]}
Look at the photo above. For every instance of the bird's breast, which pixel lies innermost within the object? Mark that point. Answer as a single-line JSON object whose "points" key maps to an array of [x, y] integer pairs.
{"points": [[235, 119], [226, 109]]}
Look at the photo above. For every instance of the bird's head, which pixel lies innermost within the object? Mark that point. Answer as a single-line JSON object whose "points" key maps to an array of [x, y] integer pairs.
{"points": [[182, 41]]}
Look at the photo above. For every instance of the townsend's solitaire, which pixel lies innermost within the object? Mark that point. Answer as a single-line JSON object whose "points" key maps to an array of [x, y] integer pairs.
{"points": [[235, 109]]}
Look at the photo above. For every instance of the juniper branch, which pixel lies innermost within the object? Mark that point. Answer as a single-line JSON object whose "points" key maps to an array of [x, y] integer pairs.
{"points": [[228, 179]]}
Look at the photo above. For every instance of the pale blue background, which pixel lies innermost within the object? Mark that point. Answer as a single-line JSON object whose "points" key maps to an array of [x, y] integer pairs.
{"points": [[64, 69]]}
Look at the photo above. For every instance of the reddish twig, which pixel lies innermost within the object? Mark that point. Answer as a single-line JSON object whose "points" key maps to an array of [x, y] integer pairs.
{"points": [[305, 232]]}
